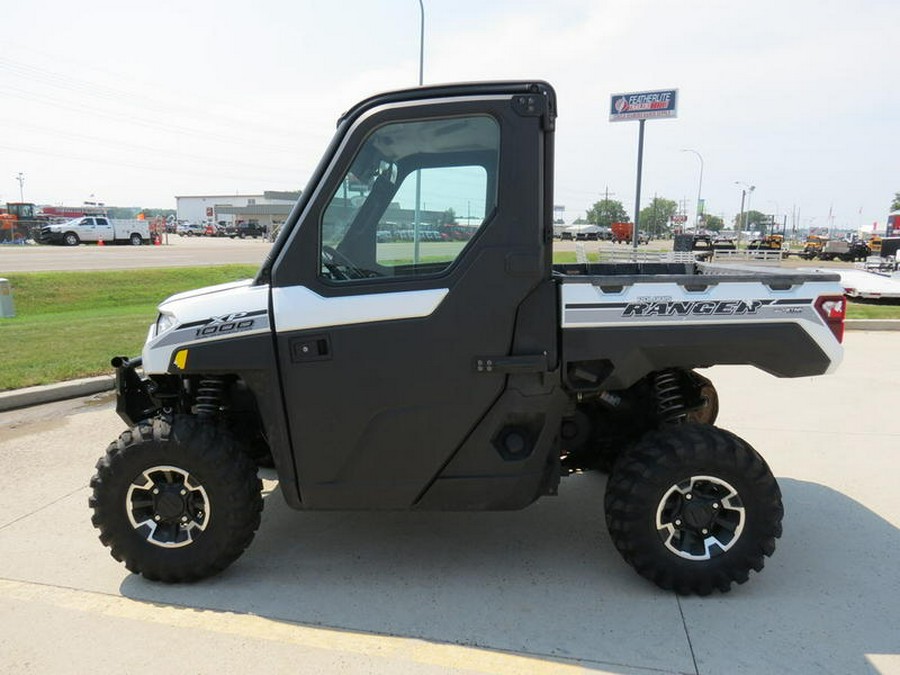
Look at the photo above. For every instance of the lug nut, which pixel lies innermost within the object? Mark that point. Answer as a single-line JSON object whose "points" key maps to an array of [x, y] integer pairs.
{"points": [[156, 491], [156, 518], [678, 522], [716, 505], [183, 492], [705, 531], [184, 519], [689, 496]]}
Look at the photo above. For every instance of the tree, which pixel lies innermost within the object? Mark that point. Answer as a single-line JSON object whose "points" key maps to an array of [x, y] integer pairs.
{"points": [[895, 205], [448, 217], [754, 220], [123, 212], [655, 218], [713, 223], [606, 212]]}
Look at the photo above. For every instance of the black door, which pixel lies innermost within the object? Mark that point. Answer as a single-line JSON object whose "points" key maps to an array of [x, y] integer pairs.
{"points": [[409, 261]]}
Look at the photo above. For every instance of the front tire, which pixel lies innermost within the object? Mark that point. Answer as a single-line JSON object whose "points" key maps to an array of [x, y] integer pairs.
{"points": [[71, 239], [693, 508], [176, 502]]}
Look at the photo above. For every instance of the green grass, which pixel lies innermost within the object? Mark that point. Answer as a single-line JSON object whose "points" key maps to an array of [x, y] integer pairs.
{"points": [[69, 324], [872, 310]]}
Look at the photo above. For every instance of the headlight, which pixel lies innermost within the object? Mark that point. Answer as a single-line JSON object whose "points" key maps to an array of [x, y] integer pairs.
{"points": [[164, 322]]}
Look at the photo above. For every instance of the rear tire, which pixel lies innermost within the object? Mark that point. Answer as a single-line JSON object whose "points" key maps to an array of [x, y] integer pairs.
{"points": [[136, 239], [176, 502], [693, 508]]}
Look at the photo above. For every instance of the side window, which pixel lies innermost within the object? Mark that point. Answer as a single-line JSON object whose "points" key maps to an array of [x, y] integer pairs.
{"points": [[415, 196], [452, 207]]}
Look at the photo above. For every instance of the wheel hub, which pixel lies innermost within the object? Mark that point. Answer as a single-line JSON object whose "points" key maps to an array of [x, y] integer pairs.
{"points": [[700, 518], [167, 506], [697, 516]]}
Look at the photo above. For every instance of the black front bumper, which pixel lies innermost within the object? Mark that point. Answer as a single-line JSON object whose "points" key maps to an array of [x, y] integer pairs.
{"points": [[134, 402], [48, 236]]}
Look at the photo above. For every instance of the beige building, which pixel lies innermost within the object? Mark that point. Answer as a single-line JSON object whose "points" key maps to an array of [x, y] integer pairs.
{"points": [[269, 209]]}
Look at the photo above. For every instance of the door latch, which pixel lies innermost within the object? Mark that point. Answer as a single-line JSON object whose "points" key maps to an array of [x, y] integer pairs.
{"points": [[311, 348]]}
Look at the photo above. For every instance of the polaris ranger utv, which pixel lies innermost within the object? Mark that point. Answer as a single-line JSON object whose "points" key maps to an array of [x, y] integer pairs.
{"points": [[377, 368]]}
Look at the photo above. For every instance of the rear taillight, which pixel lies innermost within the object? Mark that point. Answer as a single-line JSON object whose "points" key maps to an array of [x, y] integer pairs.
{"points": [[833, 309]]}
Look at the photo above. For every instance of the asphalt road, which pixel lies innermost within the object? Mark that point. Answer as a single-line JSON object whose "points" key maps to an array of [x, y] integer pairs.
{"points": [[179, 252], [190, 251], [540, 590]]}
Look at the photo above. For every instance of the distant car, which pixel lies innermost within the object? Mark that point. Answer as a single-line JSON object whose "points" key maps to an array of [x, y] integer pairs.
{"points": [[190, 229], [244, 230]]}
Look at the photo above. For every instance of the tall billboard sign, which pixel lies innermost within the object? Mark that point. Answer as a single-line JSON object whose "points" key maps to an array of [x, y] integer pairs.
{"points": [[642, 106]]}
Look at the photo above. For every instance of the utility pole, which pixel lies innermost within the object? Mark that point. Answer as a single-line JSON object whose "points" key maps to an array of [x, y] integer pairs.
{"points": [[21, 178], [699, 213], [606, 209]]}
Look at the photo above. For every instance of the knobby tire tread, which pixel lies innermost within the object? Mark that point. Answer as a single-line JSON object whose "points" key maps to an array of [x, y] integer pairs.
{"points": [[658, 461], [237, 505]]}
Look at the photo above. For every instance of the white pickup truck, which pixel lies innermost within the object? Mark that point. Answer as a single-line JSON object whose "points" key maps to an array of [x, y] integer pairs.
{"points": [[95, 229], [455, 375]]}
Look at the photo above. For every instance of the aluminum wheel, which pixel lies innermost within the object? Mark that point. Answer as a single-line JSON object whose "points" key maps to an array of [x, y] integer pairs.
{"points": [[700, 518], [167, 506]]}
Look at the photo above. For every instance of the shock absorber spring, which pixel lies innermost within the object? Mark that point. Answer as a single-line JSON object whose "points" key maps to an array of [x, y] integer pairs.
{"points": [[209, 396], [670, 405]]}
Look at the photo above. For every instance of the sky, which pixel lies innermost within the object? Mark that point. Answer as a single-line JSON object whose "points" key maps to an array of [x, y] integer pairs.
{"points": [[132, 104]]}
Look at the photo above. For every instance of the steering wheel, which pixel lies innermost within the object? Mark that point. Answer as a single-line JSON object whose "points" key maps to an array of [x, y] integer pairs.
{"points": [[340, 266]]}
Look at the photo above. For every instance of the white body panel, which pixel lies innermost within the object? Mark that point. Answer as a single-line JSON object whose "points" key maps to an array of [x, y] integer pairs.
{"points": [[586, 305], [210, 305], [298, 308]]}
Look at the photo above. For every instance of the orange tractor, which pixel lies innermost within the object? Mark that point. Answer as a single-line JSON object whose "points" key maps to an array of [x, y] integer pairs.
{"points": [[19, 222]]}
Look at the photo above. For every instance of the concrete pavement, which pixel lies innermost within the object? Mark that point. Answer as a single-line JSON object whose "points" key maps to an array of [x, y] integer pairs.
{"points": [[541, 590]]}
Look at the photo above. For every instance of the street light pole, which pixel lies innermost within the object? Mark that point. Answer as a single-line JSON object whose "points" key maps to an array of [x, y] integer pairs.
{"points": [[21, 178], [421, 40], [699, 210], [746, 191], [418, 212]]}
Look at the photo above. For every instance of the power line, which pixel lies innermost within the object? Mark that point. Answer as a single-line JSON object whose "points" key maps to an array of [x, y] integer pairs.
{"points": [[34, 74], [99, 140], [145, 167]]}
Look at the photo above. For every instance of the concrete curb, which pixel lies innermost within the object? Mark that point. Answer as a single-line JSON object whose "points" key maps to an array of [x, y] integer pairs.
{"points": [[22, 398], [872, 324]]}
